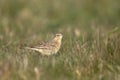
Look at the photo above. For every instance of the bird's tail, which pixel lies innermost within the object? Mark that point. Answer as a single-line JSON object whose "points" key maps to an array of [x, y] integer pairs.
{"points": [[32, 48]]}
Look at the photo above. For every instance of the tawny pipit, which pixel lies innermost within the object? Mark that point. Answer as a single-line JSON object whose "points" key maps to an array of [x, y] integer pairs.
{"points": [[49, 48]]}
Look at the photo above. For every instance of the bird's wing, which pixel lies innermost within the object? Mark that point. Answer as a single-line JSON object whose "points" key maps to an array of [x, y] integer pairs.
{"points": [[43, 46]]}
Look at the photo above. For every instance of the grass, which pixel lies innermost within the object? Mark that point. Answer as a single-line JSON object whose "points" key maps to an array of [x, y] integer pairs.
{"points": [[79, 58], [90, 47]]}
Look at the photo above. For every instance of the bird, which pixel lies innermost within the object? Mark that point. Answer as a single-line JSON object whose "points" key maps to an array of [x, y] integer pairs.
{"points": [[49, 48]]}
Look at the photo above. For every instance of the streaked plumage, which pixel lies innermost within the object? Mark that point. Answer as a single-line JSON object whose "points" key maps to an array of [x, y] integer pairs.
{"points": [[49, 48]]}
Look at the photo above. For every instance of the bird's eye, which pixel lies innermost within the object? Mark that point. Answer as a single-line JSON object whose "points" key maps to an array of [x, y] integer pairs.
{"points": [[57, 35]]}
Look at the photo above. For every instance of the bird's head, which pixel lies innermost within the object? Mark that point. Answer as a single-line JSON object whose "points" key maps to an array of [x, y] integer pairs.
{"points": [[58, 37]]}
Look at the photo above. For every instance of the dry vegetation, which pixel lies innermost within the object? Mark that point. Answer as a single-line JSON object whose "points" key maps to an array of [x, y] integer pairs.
{"points": [[91, 41]]}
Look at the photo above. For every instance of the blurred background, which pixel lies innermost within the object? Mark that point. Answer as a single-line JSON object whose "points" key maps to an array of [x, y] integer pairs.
{"points": [[26, 17], [91, 41]]}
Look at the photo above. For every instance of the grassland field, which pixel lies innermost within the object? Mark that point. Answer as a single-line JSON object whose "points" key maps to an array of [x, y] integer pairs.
{"points": [[90, 46]]}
